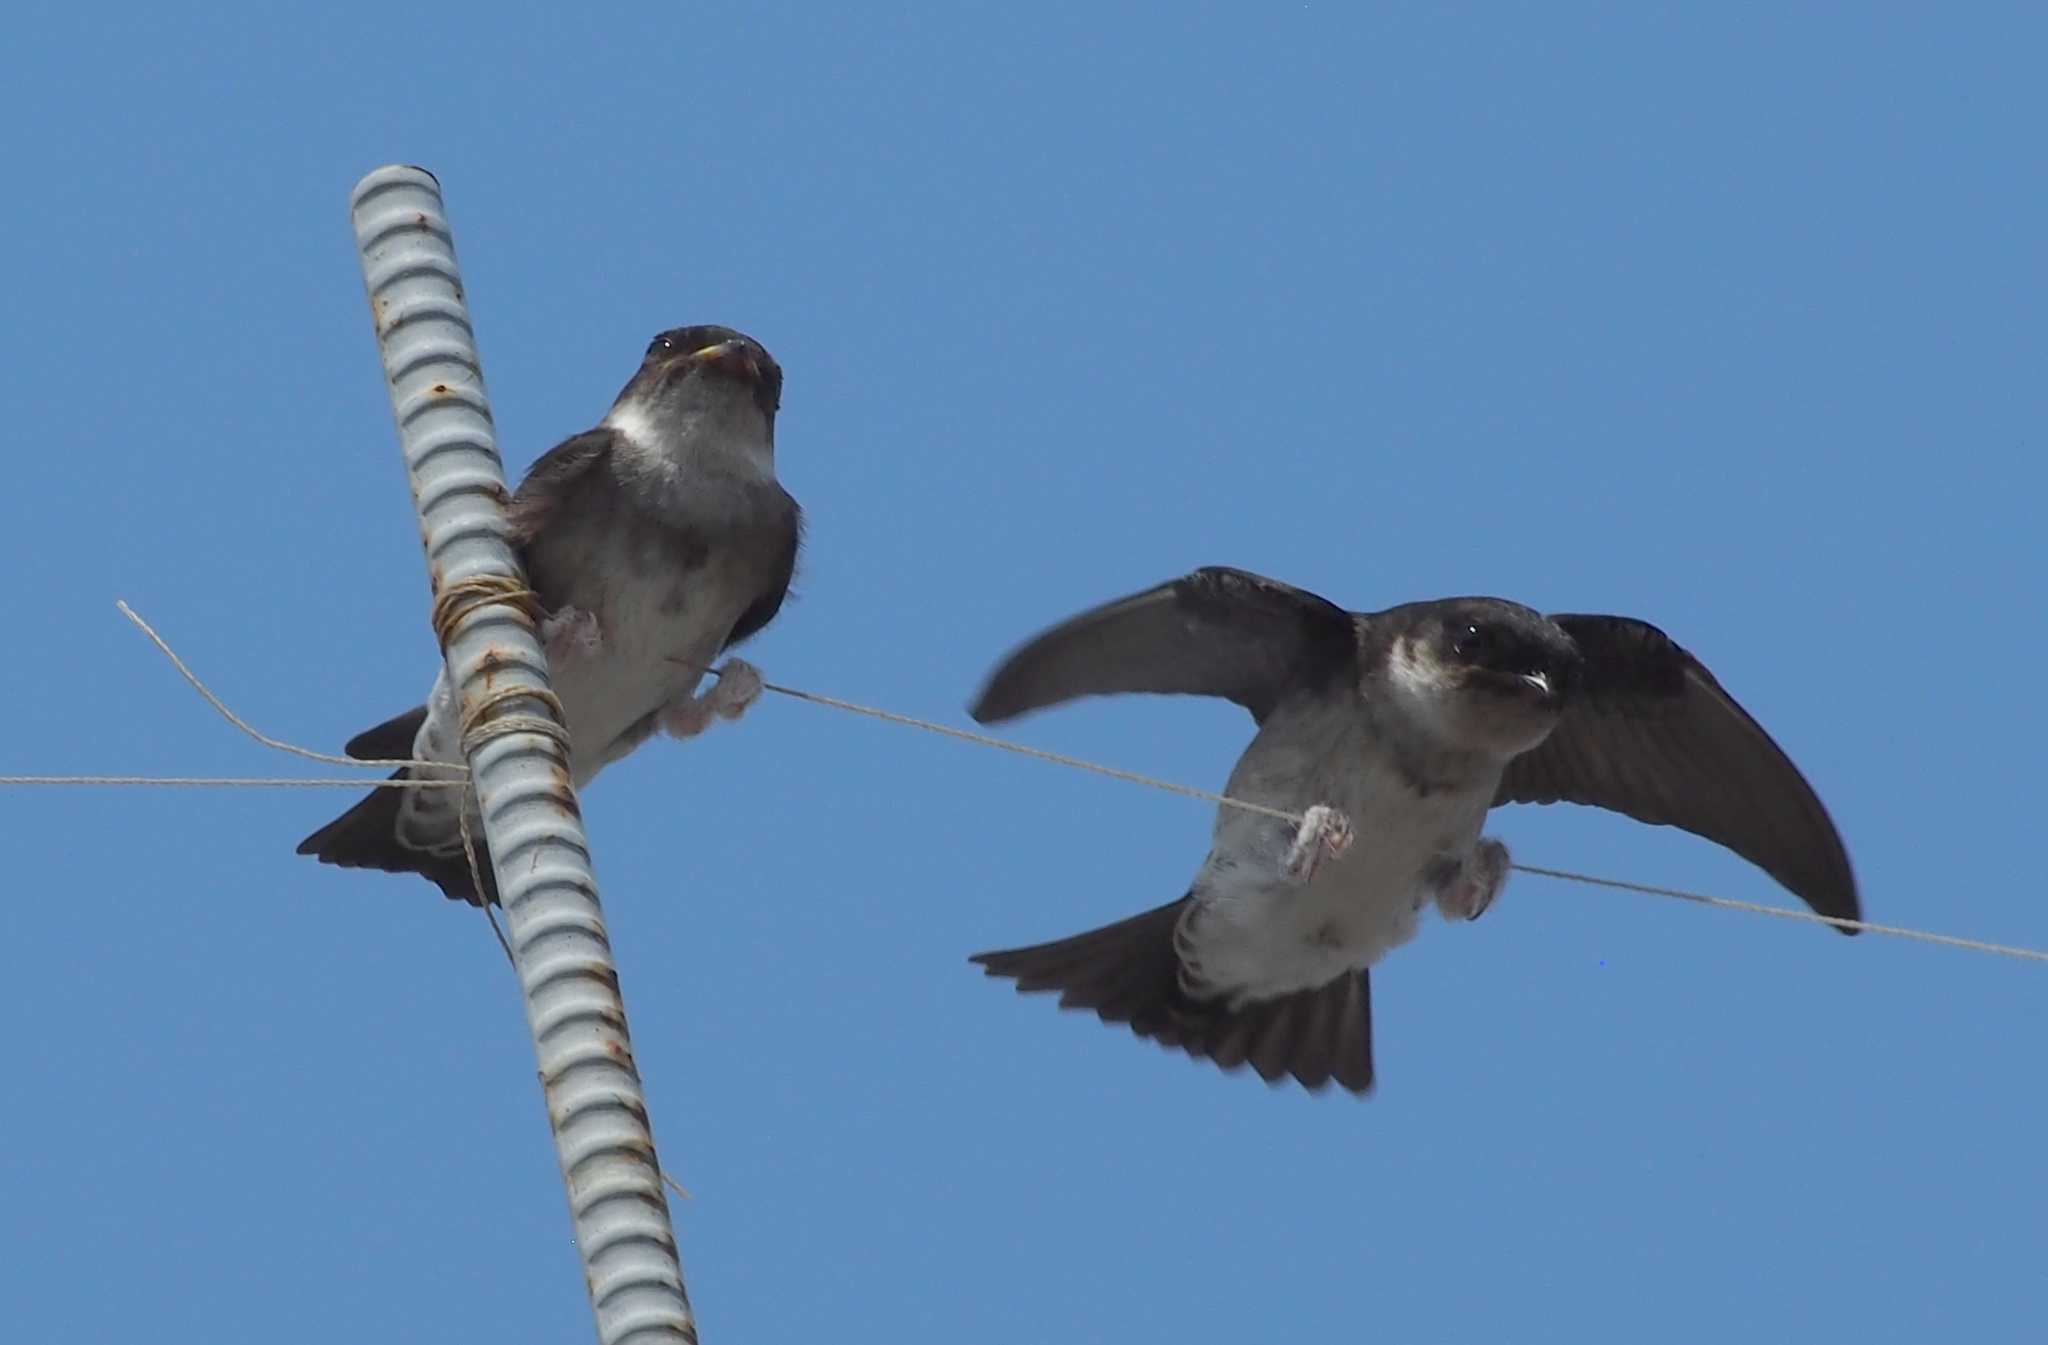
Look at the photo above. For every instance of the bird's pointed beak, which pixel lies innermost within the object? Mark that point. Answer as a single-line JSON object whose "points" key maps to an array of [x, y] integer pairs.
{"points": [[733, 357], [1542, 684]]}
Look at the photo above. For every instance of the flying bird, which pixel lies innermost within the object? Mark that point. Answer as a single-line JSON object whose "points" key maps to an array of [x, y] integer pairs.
{"points": [[655, 542], [1391, 735]]}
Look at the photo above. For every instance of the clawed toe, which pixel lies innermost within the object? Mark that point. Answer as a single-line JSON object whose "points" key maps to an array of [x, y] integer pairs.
{"points": [[739, 686], [570, 631], [1478, 884]]}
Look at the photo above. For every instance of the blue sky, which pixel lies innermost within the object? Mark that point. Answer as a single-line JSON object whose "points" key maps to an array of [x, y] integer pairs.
{"points": [[1725, 317]]}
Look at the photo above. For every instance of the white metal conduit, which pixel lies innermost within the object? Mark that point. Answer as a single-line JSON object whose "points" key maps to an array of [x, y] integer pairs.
{"points": [[529, 816]]}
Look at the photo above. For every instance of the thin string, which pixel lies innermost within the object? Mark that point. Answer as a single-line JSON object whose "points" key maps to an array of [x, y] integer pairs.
{"points": [[192, 679], [1562, 875], [458, 598], [1039, 753], [457, 602], [236, 782], [448, 615], [1786, 913]]}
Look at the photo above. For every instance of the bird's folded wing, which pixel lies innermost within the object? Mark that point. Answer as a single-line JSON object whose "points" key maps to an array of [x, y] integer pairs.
{"points": [[554, 480]]}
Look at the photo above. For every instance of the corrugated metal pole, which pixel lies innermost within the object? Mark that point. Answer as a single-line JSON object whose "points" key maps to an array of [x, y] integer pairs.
{"points": [[571, 987]]}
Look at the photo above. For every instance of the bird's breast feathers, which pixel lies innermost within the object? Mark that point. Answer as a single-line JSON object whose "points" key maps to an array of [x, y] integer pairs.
{"points": [[1257, 932]]}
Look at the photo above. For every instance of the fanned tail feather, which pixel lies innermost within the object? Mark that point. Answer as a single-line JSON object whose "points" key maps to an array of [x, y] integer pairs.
{"points": [[1129, 973]]}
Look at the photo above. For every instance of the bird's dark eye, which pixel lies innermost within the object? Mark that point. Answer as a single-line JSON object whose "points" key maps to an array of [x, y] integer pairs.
{"points": [[660, 343], [1471, 640]]}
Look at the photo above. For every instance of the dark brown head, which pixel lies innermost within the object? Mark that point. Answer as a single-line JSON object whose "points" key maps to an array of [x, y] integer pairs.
{"points": [[708, 363], [1486, 674]]}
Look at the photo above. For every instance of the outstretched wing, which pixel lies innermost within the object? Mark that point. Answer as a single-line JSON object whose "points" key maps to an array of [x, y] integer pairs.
{"points": [[1215, 632], [1651, 734]]}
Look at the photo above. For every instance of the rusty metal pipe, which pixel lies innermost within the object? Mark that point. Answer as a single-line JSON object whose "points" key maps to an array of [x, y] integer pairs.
{"points": [[595, 1104]]}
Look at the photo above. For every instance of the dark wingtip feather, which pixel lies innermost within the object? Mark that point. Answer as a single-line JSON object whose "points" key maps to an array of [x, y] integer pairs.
{"points": [[991, 708], [366, 837], [391, 740]]}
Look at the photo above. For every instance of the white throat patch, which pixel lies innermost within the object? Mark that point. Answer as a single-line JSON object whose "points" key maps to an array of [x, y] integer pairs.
{"points": [[742, 449]]}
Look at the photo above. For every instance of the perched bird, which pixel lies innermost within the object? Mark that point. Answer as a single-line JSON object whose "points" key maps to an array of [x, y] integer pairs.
{"points": [[655, 542], [1392, 734]]}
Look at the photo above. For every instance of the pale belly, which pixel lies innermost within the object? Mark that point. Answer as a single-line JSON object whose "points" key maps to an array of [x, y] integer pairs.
{"points": [[653, 655], [1256, 932], [653, 647]]}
